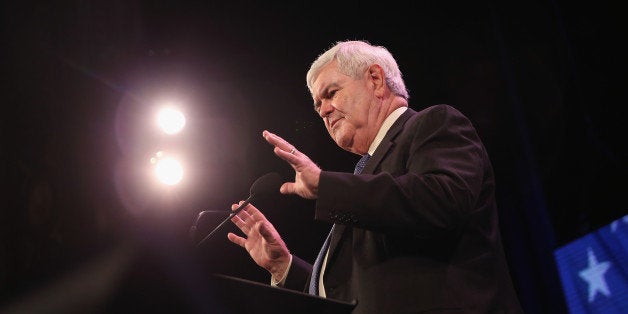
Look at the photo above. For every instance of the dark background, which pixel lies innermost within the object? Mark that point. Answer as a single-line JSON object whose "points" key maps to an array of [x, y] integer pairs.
{"points": [[82, 80]]}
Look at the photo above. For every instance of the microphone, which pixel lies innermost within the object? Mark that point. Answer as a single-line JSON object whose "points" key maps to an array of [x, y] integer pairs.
{"points": [[264, 186]]}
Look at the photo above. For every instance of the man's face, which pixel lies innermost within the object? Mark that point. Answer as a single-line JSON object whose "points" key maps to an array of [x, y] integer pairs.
{"points": [[344, 103]]}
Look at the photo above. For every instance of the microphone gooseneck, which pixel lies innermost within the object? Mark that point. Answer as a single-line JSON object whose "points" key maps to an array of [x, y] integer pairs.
{"points": [[263, 186]]}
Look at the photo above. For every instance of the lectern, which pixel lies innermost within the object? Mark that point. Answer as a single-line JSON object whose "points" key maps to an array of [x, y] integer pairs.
{"points": [[236, 295]]}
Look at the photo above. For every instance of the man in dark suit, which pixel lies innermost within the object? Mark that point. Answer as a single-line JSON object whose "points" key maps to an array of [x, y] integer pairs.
{"points": [[415, 227]]}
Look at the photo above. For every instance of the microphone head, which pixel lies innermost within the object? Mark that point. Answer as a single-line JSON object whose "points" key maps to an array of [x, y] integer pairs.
{"points": [[266, 185]]}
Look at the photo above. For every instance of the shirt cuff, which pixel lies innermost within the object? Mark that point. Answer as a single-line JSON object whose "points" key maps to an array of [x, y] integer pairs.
{"points": [[282, 280]]}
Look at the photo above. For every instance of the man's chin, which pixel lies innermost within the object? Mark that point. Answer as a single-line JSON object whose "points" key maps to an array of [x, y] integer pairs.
{"points": [[346, 145], [342, 141]]}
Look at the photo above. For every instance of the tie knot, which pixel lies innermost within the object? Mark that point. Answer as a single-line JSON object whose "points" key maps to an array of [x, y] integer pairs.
{"points": [[361, 163]]}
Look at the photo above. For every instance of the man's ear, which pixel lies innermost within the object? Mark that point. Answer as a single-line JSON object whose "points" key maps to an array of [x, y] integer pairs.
{"points": [[377, 78]]}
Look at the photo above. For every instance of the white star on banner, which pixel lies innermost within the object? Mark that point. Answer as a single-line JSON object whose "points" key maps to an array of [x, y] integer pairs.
{"points": [[594, 276]]}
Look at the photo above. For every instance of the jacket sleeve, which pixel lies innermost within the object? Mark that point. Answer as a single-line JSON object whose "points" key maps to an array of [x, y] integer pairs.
{"points": [[299, 275]]}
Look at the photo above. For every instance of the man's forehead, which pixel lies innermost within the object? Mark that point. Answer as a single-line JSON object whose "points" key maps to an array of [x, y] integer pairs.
{"points": [[329, 74]]}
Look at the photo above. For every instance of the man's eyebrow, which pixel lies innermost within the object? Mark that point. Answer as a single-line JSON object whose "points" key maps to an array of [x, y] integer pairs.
{"points": [[323, 92], [319, 96]]}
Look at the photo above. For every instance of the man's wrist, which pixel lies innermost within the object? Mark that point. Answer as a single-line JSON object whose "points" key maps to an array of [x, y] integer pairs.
{"points": [[279, 281]]}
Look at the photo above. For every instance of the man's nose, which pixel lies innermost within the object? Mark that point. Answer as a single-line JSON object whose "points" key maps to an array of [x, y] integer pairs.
{"points": [[326, 108]]}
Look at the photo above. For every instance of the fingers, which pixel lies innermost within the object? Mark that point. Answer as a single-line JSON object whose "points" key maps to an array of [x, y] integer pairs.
{"points": [[292, 159], [242, 220], [307, 173], [246, 219], [263, 227], [251, 212], [280, 143], [236, 239], [249, 209], [241, 224]]}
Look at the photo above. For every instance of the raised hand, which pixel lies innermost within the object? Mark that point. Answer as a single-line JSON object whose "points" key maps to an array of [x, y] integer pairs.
{"points": [[307, 173], [261, 240]]}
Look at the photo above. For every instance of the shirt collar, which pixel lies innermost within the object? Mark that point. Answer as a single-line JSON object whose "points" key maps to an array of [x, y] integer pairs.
{"points": [[392, 117]]}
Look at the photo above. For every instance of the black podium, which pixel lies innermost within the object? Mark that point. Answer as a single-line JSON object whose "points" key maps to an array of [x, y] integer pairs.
{"points": [[217, 293], [236, 295]]}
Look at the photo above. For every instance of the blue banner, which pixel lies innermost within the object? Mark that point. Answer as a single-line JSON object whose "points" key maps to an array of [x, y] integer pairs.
{"points": [[594, 270]]}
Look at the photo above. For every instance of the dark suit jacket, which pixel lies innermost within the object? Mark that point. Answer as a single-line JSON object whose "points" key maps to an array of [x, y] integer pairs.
{"points": [[417, 231]]}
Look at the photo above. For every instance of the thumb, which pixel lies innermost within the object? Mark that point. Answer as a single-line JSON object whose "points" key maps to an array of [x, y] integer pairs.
{"points": [[265, 231], [287, 188]]}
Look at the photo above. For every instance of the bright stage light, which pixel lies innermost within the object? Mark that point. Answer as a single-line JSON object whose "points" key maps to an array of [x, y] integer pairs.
{"points": [[167, 170], [170, 120]]}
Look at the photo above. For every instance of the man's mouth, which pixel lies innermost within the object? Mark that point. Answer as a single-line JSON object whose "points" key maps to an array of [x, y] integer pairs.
{"points": [[333, 122]]}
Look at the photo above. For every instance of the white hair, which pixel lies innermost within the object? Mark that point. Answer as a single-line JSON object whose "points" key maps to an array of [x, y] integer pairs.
{"points": [[353, 58]]}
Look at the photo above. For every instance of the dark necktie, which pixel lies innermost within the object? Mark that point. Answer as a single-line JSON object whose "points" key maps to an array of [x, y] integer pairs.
{"points": [[316, 269]]}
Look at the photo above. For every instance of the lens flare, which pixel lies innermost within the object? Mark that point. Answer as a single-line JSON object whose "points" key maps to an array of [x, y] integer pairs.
{"points": [[170, 120], [168, 171]]}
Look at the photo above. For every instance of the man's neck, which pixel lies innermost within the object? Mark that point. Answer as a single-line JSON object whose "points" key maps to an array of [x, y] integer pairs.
{"points": [[384, 127]]}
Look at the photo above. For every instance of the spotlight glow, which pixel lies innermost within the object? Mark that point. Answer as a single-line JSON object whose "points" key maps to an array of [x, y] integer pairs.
{"points": [[170, 120], [168, 170]]}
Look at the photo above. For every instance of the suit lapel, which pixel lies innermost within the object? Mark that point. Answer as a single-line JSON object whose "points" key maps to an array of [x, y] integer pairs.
{"points": [[382, 150], [387, 142]]}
